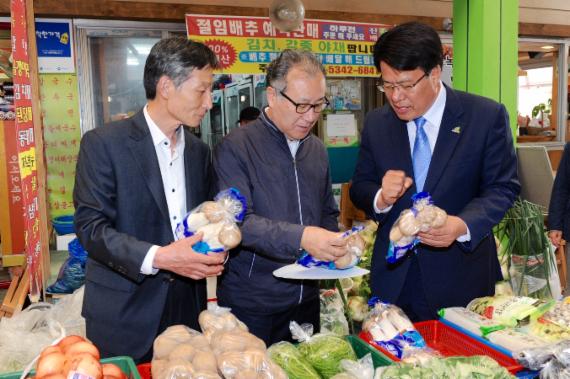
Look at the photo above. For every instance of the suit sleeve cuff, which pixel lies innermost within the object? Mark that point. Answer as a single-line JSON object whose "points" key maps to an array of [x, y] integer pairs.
{"points": [[146, 267], [376, 209]]}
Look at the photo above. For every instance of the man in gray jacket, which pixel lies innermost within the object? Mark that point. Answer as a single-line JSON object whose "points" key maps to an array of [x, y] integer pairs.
{"points": [[283, 171]]}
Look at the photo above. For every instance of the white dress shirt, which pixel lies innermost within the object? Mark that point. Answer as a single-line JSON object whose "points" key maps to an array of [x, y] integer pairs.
{"points": [[433, 117], [171, 163]]}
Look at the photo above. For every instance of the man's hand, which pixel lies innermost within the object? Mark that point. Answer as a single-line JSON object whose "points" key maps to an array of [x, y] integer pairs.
{"points": [[178, 257], [394, 184], [446, 234], [322, 244], [555, 237]]}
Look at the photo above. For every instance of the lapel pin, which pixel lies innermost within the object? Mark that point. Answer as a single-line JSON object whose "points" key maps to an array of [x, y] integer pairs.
{"points": [[456, 130]]}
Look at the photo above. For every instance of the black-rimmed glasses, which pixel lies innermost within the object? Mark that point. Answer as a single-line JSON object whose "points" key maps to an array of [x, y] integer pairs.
{"points": [[304, 108], [389, 87]]}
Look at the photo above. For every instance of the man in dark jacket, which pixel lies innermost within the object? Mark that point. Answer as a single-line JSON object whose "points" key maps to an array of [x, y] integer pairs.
{"points": [[282, 170], [558, 215], [135, 180]]}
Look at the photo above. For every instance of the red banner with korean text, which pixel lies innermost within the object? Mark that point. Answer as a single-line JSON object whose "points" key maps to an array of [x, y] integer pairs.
{"points": [[244, 45], [25, 144]]}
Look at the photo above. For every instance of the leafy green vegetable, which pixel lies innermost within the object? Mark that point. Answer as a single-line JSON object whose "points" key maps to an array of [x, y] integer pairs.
{"points": [[478, 367], [286, 355], [324, 352]]}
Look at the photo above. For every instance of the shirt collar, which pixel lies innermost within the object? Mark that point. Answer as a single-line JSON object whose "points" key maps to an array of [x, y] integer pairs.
{"points": [[158, 135], [434, 114]]}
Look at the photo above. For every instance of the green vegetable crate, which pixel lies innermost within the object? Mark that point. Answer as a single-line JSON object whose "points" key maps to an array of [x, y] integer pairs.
{"points": [[361, 348], [125, 363]]}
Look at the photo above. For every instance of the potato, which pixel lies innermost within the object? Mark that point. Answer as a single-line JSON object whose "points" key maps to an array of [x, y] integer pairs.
{"points": [[178, 332], [200, 342], [355, 244], [395, 233], [246, 374], [205, 361], [213, 211], [183, 352], [206, 375], [230, 235], [235, 340], [163, 346], [158, 367], [344, 261], [196, 220]]}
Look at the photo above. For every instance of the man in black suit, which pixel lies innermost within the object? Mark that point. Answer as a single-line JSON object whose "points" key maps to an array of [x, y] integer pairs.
{"points": [[136, 179], [558, 215], [454, 145]]}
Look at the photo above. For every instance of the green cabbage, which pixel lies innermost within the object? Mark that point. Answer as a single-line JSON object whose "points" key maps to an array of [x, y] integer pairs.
{"points": [[325, 351], [286, 355]]}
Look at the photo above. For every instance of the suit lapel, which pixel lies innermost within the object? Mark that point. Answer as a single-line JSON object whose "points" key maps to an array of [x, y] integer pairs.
{"points": [[447, 138], [400, 138], [144, 153], [189, 169]]}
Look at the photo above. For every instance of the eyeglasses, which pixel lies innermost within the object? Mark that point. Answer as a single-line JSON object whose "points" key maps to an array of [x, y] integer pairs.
{"points": [[389, 87], [304, 108]]}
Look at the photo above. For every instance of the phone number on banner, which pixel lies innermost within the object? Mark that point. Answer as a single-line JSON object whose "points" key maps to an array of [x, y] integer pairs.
{"points": [[347, 70]]}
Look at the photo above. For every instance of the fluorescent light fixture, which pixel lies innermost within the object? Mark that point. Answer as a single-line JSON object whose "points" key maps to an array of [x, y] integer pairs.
{"points": [[547, 47], [132, 62]]}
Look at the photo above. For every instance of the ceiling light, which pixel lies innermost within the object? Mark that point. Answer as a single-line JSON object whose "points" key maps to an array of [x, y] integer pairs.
{"points": [[547, 47]]}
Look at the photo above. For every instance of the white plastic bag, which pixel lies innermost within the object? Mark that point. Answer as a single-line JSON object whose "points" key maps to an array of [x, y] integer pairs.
{"points": [[26, 334]]}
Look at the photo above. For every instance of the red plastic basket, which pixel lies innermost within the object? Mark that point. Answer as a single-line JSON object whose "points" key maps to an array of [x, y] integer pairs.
{"points": [[144, 370], [451, 342]]}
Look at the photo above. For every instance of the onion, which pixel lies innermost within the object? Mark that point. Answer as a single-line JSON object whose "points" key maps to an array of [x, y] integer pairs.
{"points": [[50, 364], [69, 340], [53, 376], [82, 347], [111, 369], [51, 349], [86, 364]]}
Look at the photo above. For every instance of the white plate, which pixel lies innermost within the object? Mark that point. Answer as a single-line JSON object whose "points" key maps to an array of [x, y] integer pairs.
{"points": [[296, 271]]}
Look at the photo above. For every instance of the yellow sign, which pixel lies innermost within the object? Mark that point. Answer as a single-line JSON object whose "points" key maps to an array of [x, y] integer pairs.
{"points": [[245, 45], [27, 161]]}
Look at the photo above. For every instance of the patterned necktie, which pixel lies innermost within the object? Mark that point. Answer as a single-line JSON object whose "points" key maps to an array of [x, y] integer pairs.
{"points": [[421, 156]]}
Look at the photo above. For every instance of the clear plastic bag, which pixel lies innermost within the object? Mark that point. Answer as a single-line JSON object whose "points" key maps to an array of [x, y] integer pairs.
{"points": [[181, 352], [535, 276], [361, 369], [422, 216], [217, 318], [26, 334], [72, 272], [323, 351], [390, 328], [554, 370], [332, 316], [218, 221], [355, 246]]}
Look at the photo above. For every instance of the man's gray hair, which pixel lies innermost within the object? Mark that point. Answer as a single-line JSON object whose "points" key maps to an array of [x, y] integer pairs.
{"points": [[276, 71]]}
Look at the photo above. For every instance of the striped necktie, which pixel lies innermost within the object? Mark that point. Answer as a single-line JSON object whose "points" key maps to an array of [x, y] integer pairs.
{"points": [[421, 155]]}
